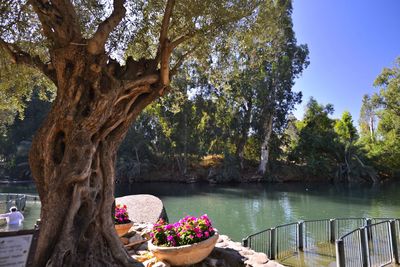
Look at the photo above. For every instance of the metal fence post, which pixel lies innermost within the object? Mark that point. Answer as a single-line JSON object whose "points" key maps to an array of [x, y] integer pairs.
{"points": [[273, 244], [300, 235], [368, 222], [364, 245], [37, 225], [393, 236], [332, 230], [245, 242], [340, 260]]}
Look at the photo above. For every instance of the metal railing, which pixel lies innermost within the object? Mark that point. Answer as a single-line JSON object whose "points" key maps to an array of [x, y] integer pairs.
{"points": [[260, 241], [286, 240], [374, 244], [345, 225], [348, 249], [382, 236], [317, 236], [10, 199]]}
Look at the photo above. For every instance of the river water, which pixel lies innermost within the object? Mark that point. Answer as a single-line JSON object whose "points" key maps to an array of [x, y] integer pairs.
{"points": [[243, 209]]}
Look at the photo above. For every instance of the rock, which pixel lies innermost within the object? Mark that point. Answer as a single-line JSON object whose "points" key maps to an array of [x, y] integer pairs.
{"points": [[161, 264], [257, 258], [130, 233], [150, 262], [135, 238], [274, 264], [143, 247], [124, 240], [142, 252], [143, 208], [223, 238], [223, 244], [211, 262], [230, 257], [246, 252], [139, 227]]}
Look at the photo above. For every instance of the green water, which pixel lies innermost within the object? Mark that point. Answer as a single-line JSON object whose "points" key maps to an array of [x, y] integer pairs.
{"points": [[32, 208], [240, 210]]}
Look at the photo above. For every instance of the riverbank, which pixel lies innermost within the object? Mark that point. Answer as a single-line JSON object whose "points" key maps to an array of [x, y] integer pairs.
{"points": [[214, 169], [218, 173]]}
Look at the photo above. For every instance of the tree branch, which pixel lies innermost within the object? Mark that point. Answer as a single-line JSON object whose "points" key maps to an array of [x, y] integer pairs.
{"points": [[59, 20], [182, 39], [166, 19], [148, 79], [165, 47], [97, 42], [180, 61], [20, 57]]}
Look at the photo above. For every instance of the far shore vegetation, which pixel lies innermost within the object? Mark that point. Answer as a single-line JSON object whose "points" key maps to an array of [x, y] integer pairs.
{"points": [[215, 136]]}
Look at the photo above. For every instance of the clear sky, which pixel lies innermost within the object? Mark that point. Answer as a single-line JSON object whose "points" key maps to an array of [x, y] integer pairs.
{"points": [[350, 42]]}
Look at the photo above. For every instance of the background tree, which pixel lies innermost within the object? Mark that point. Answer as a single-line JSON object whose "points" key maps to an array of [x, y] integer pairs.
{"points": [[368, 118], [384, 152], [73, 153], [346, 138], [315, 148]]}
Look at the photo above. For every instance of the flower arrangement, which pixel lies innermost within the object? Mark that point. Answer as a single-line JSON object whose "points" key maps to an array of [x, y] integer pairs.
{"points": [[188, 230], [121, 215]]}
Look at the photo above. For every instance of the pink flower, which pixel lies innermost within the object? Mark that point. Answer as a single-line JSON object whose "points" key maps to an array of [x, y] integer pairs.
{"points": [[188, 230], [169, 227]]}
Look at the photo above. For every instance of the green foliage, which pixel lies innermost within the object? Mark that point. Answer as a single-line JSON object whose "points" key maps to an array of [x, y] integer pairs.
{"points": [[345, 129], [22, 128], [315, 145], [384, 149]]}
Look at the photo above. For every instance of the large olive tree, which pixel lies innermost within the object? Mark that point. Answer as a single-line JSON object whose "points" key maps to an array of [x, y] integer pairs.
{"points": [[82, 47]]}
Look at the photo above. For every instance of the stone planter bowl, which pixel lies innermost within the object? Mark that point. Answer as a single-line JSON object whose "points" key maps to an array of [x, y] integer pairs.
{"points": [[184, 255], [123, 228]]}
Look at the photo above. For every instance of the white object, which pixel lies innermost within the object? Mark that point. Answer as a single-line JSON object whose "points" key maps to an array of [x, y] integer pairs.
{"points": [[13, 218]]}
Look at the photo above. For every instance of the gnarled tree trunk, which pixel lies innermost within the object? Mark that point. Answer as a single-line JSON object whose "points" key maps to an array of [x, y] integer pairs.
{"points": [[73, 155]]}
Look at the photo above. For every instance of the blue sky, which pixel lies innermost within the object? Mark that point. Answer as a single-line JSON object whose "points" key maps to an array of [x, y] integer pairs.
{"points": [[350, 42]]}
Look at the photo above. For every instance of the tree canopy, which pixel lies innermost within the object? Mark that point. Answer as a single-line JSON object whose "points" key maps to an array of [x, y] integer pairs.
{"points": [[107, 61]]}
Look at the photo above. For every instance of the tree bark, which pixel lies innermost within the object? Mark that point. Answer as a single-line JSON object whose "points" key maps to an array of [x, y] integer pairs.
{"points": [[372, 128], [262, 168], [243, 135], [73, 155]]}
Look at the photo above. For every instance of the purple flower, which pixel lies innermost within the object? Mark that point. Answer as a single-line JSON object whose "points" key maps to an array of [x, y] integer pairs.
{"points": [[168, 227], [188, 230]]}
